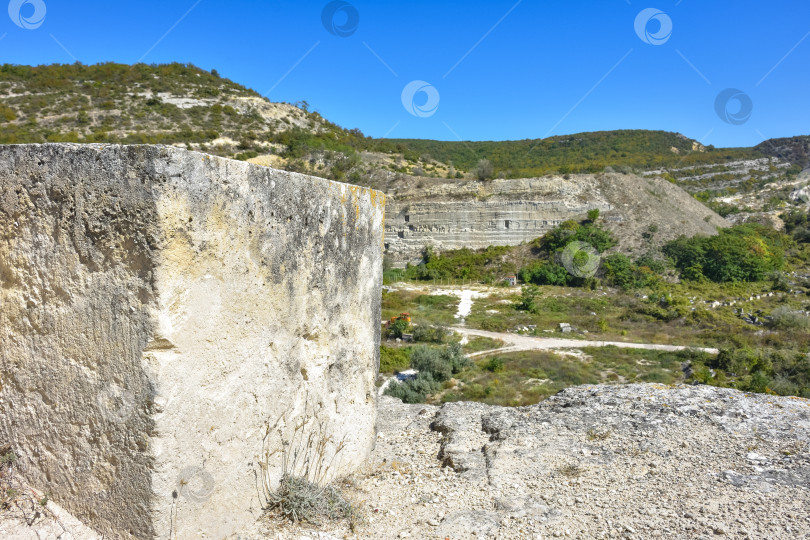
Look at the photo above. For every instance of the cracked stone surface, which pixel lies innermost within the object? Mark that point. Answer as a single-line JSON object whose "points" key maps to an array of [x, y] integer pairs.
{"points": [[634, 461], [168, 318]]}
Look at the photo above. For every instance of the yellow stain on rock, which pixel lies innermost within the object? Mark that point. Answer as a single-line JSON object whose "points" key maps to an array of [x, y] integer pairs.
{"points": [[356, 193]]}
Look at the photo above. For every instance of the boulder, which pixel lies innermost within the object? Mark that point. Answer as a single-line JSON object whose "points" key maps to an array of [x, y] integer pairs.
{"points": [[174, 323]]}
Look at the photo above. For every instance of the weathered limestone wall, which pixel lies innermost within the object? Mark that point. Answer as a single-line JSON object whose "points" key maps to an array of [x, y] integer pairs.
{"points": [[168, 317], [481, 214], [473, 224], [469, 214]]}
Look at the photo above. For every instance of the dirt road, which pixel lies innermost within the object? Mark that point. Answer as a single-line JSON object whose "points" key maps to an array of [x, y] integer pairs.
{"points": [[517, 342]]}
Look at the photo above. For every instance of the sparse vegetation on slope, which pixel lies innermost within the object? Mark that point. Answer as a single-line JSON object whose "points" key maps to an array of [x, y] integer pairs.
{"points": [[185, 105]]}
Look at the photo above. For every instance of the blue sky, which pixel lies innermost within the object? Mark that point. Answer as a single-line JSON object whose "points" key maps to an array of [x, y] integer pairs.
{"points": [[498, 69]]}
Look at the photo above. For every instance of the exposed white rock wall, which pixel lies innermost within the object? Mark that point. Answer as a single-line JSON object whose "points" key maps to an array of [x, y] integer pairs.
{"points": [[453, 215], [168, 318], [474, 224]]}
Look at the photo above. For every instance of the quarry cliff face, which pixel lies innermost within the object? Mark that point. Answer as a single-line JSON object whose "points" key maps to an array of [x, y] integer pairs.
{"points": [[460, 214], [170, 319]]}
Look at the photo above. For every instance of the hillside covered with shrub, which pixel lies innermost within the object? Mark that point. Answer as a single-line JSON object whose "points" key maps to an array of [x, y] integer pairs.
{"points": [[183, 104]]}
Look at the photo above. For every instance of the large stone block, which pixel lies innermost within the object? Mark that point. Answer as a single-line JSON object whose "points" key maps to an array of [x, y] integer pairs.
{"points": [[169, 319]]}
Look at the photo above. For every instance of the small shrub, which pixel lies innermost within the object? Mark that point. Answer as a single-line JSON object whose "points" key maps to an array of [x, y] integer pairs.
{"points": [[494, 365], [440, 363], [307, 456], [435, 366], [484, 170], [598, 435], [494, 324], [528, 299], [571, 470], [394, 359], [779, 282], [414, 390], [298, 499], [602, 325], [785, 318], [398, 327], [430, 334]]}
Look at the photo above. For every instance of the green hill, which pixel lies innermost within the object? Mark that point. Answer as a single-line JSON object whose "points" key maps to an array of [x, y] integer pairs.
{"points": [[185, 105], [581, 152], [160, 104]]}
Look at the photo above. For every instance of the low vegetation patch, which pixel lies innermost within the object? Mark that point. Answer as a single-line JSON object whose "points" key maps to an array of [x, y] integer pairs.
{"points": [[435, 366], [298, 499], [773, 371], [305, 492], [17, 498], [481, 343], [571, 470], [394, 359], [525, 378], [424, 309], [485, 265]]}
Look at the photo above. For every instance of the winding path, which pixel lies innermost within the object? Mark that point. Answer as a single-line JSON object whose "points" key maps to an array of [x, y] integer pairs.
{"points": [[517, 342]]}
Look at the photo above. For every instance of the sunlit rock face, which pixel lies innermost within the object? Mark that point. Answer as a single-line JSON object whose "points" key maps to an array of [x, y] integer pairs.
{"points": [[459, 214], [169, 319]]}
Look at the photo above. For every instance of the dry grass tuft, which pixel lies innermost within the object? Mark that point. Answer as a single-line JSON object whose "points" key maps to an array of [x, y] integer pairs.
{"points": [[571, 470], [308, 454], [599, 435], [298, 499]]}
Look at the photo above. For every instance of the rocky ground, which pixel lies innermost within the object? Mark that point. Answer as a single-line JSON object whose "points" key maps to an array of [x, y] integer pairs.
{"points": [[634, 461]]}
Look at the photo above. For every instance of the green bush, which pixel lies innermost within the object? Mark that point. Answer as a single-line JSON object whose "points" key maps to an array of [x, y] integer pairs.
{"points": [[545, 273], [430, 334], [570, 231], [787, 319], [783, 372], [435, 366], [736, 361], [398, 327], [748, 252], [621, 272], [440, 363], [393, 359], [528, 299], [650, 261], [414, 390], [494, 365]]}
